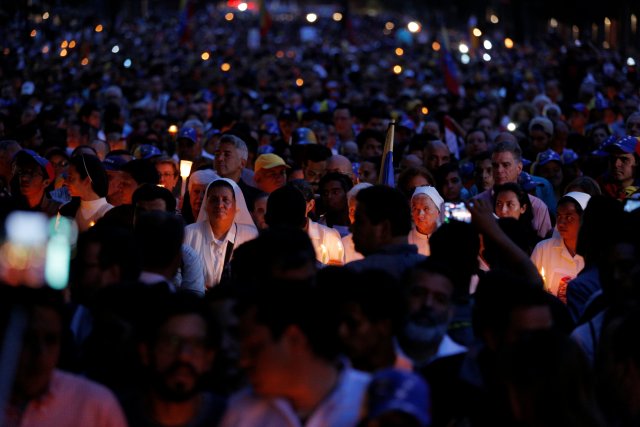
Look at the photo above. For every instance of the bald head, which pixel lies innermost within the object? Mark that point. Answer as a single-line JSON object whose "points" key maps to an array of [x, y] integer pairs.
{"points": [[436, 154], [410, 161], [506, 137], [339, 163]]}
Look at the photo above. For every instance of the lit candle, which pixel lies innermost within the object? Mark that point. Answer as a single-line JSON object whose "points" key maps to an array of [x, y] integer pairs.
{"points": [[340, 252], [544, 279], [173, 130], [185, 170], [92, 223], [324, 254]]}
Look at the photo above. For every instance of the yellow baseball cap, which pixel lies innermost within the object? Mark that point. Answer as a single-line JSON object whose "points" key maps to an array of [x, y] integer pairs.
{"points": [[268, 161]]}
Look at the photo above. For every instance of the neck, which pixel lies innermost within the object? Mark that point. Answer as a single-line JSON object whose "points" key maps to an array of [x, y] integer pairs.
{"points": [[626, 183], [383, 357], [220, 230], [90, 196], [571, 244], [427, 230], [313, 387], [173, 413], [34, 200], [235, 176]]}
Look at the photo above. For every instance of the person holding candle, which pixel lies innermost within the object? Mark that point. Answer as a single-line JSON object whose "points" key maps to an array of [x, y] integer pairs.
{"points": [[224, 223], [88, 186], [557, 255]]}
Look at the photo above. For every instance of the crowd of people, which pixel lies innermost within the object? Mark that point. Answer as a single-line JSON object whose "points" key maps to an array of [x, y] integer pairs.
{"points": [[283, 279]]}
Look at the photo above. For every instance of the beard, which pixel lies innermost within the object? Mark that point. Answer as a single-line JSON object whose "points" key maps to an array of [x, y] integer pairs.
{"points": [[173, 390], [424, 329]]}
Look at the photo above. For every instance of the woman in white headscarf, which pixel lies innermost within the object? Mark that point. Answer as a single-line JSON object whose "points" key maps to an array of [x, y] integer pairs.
{"points": [[426, 204], [223, 224]]}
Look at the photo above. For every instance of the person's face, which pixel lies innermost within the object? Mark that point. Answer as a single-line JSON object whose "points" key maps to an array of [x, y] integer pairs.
{"points": [[221, 205], [32, 180], [40, 353], [187, 149], [168, 176], [508, 205], [60, 164], [228, 162], [568, 221], [417, 181], [334, 197], [539, 140], [424, 213], [196, 196], [371, 148], [552, 171], [352, 209], [266, 361], [359, 335], [436, 156], [432, 128], [622, 166], [313, 171], [377, 123], [633, 125], [485, 125], [77, 186], [452, 186], [505, 168], [598, 136], [126, 187], [484, 175], [94, 119], [342, 121], [476, 143], [367, 237], [180, 356], [368, 173], [269, 180], [259, 210], [114, 178]]}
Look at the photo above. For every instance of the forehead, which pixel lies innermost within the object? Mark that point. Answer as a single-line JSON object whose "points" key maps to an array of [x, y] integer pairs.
{"points": [[185, 325], [506, 194], [165, 166], [227, 146], [422, 199], [567, 208], [434, 282], [503, 156], [331, 185], [220, 191]]}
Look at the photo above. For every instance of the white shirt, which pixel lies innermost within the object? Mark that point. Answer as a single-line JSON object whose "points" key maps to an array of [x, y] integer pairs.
{"points": [[212, 251], [559, 266], [90, 212], [340, 409], [350, 253], [327, 243], [420, 240]]}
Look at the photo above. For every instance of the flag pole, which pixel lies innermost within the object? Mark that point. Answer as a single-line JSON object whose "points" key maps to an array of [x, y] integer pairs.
{"points": [[386, 176]]}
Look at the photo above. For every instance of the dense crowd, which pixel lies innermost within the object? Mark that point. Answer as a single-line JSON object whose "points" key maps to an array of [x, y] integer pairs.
{"points": [[242, 258]]}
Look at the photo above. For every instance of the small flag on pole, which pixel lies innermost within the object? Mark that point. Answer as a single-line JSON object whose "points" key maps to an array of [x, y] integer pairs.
{"points": [[386, 176], [265, 18]]}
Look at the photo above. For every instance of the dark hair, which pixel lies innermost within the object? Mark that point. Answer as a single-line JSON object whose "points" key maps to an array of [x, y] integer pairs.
{"points": [[382, 203], [408, 174], [148, 192], [510, 147], [142, 171], [474, 130], [159, 237], [442, 172], [220, 183], [91, 166], [567, 199], [315, 153], [367, 134], [304, 187], [286, 206], [523, 198], [345, 182]]}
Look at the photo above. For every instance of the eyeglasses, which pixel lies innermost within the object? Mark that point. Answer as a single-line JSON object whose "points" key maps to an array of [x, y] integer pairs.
{"points": [[29, 173], [85, 168]]}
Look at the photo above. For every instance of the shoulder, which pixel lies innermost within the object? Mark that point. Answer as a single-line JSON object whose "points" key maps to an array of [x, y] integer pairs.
{"points": [[82, 389], [247, 232]]}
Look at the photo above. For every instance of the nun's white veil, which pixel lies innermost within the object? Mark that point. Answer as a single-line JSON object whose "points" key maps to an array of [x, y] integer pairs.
{"points": [[242, 212]]}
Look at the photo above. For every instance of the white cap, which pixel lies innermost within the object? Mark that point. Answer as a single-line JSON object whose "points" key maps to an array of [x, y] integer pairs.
{"points": [[580, 197], [432, 193]]}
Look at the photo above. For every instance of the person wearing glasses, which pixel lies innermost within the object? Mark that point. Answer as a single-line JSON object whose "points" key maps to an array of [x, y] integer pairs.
{"points": [[88, 186], [33, 175]]}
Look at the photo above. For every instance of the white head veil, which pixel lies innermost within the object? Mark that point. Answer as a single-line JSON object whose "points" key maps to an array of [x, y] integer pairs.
{"points": [[431, 193], [242, 212], [202, 177]]}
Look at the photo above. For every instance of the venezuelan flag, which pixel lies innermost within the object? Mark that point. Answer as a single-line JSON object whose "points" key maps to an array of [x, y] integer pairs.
{"points": [[386, 176]]}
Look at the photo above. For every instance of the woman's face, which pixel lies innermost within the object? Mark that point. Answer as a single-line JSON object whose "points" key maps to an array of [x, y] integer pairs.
{"points": [[196, 196], [424, 213], [221, 205], [76, 185], [508, 205]]}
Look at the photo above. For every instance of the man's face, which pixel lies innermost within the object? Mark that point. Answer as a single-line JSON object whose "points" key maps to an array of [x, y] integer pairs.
{"points": [[622, 166], [367, 237], [633, 125], [568, 221], [342, 121], [476, 143], [436, 156], [334, 197], [551, 171], [452, 186], [179, 357], [40, 353], [114, 178], [196, 196], [168, 176], [368, 173], [430, 308], [484, 175], [371, 148], [314, 171], [269, 180], [505, 168], [126, 187], [539, 140], [228, 163], [187, 149], [266, 361], [32, 180], [359, 335]]}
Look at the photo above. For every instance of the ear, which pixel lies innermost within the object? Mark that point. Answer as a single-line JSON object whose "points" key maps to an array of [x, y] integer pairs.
{"points": [[523, 209], [46, 182], [519, 167], [311, 205], [243, 163]]}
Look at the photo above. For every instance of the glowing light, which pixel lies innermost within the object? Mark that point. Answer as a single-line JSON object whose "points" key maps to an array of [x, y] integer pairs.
{"points": [[399, 51], [487, 44], [494, 19], [511, 126], [33, 33], [225, 67], [435, 46], [127, 63], [425, 110], [508, 43], [605, 44], [312, 17], [115, 49], [85, 61], [476, 32], [205, 56], [72, 44], [553, 23], [99, 28], [45, 49], [45, 16], [463, 48], [63, 53], [185, 168], [486, 57], [173, 129], [465, 59], [413, 26], [631, 62], [397, 69], [279, 54], [299, 82], [64, 44], [389, 26], [229, 16], [337, 17], [607, 21], [242, 7]]}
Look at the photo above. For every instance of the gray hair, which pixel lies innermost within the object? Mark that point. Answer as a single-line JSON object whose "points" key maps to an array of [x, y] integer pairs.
{"points": [[511, 147], [240, 145]]}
